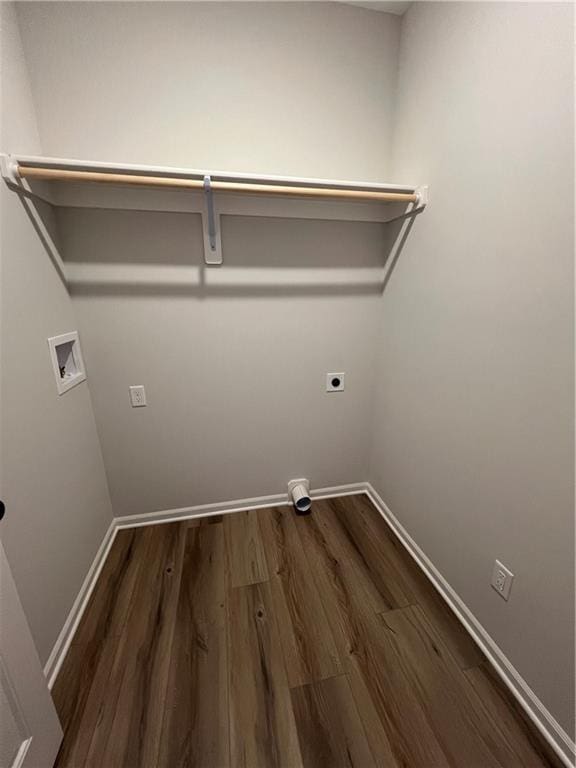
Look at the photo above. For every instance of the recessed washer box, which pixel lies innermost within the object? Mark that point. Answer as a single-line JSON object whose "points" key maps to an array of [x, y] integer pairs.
{"points": [[67, 361]]}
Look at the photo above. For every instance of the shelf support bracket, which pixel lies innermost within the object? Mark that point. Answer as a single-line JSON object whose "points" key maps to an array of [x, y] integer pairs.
{"points": [[422, 194], [30, 201], [416, 208], [211, 227]]}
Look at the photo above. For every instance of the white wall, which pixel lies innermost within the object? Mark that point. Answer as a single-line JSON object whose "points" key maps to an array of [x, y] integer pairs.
{"points": [[287, 88], [52, 474], [235, 373], [474, 420], [233, 359]]}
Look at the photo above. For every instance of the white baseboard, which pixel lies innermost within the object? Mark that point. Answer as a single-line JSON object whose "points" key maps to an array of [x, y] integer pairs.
{"points": [[60, 649], [62, 644], [226, 507], [550, 729]]}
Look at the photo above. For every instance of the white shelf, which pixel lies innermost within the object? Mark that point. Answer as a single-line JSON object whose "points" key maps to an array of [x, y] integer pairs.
{"points": [[211, 194]]}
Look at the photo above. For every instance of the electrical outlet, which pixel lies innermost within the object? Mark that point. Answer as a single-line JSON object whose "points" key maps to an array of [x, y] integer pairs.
{"points": [[138, 396], [502, 579], [335, 382]]}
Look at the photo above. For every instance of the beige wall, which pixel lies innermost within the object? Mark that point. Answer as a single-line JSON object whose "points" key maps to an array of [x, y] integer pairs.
{"points": [[233, 359], [234, 368], [52, 474], [284, 88], [474, 419]]}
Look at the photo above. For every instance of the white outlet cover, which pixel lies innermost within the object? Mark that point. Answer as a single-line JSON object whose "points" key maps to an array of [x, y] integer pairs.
{"points": [[502, 578], [335, 382], [138, 396]]}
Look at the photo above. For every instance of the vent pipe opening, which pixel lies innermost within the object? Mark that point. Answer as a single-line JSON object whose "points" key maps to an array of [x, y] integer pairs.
{"points": [[299, 493]]}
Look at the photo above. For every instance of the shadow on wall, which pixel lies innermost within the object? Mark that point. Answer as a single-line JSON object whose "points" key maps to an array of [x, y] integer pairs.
{"points": [[150, 253], [42, 217]]}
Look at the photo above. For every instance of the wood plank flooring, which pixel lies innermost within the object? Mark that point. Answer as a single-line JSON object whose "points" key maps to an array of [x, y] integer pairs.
{"points": [[262, 639]]}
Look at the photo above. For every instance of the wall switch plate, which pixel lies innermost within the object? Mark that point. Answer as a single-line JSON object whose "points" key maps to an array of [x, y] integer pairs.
{"points": [[138, 396], [335, 382], [502, 579]]}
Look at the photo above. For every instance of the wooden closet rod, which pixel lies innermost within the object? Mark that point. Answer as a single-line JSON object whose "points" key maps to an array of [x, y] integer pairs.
{"points": [[57, 174]]}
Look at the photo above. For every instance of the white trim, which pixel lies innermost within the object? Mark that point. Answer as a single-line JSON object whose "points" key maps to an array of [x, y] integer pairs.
{"points": [[202, 510], [62, 644], [226, 507], [22, 752], [60, 649], [550, 729]]}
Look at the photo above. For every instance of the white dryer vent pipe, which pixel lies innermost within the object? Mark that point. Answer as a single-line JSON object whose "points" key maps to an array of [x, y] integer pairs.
{"points": [[299, 493]]}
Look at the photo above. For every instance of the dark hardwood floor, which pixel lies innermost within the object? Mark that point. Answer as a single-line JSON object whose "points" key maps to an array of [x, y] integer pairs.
{"points": [[262, 639]]}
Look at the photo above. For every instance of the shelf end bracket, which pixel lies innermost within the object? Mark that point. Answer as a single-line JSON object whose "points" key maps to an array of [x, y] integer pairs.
{"points": [[422, 195], [9, 169]]}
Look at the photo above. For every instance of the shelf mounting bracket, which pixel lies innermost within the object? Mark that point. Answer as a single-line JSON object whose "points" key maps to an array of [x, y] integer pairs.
{"points": [[211, 227], [422, 193], [416, 208], [29, 199]]}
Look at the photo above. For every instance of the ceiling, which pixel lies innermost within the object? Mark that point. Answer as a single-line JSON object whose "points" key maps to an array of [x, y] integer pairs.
{"points": [[387, 7]]}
